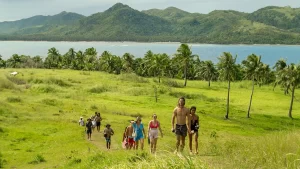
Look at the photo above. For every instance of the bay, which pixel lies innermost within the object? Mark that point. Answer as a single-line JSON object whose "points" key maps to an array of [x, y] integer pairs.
{"points": [[270, 53]]}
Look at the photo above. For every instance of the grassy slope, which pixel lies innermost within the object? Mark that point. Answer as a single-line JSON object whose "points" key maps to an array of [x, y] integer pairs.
{"points": [[39, 120]]}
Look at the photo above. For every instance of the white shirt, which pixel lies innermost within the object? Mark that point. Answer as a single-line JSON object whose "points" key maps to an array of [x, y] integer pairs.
{"points": [[81, 122]]}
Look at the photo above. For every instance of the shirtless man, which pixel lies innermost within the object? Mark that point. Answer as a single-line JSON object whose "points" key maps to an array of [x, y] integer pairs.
{"points": [[128, 135], [182, 115]]}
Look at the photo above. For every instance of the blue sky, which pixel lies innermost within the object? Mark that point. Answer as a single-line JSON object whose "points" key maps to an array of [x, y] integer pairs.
{"points": [[18, 9]]}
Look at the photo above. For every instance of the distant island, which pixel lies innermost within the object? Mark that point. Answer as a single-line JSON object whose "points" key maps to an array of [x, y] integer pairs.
{"points": [[269, 25]]}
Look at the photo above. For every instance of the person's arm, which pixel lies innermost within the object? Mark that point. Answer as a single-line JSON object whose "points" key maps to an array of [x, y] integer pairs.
{"points": [[144, 132], [149, 127], [188, 120], [173, 118], [160, 129]]}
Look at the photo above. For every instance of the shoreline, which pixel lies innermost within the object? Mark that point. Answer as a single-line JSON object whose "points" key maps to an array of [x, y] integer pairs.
{"points": [[136, 42]]}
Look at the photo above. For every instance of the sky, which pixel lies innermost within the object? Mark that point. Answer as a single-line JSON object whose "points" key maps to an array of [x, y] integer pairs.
{"points": [[11, 10]]}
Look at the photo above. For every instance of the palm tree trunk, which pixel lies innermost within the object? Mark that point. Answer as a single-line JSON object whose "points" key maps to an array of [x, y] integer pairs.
{"points": [[251, 98], [227, 112], [208, 83], [158, 79], [185, 72], [292, 101]]}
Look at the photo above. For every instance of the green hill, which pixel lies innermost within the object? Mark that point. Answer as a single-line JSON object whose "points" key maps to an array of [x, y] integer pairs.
{"points": [[39, 23], [270, 25]]}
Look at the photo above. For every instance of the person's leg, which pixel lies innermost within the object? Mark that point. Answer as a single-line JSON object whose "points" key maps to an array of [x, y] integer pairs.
{"points": [[142, 144], [106, 144], [109, 144], [182, 143], [191, 142], [137, 144], [196, 142], [177, 142], [154, 145], [151, 145]]}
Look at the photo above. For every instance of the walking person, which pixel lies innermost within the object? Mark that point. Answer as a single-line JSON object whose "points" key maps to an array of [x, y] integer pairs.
{"points": [[182, 116], [89, 129], [108, 132], [98, 120], [194, 129], [153, 128], [129, 138], [81, 121], [139, 131]]}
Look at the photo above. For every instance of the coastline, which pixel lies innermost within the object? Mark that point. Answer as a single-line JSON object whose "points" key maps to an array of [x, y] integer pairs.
{"points": [[139, 42]]}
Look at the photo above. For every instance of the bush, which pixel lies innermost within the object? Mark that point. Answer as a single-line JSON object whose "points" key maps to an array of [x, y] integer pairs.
{"points": [[35, 81], [46, 89], [2, 161], [5, 84], [14, 99]]}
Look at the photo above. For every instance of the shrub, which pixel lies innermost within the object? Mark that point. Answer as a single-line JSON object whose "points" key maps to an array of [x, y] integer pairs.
{"points": [[2, 161], [14, 99], [35, 81], [46, 89]]}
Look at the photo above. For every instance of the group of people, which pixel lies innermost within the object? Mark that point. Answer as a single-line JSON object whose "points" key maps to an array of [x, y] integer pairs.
{"points": [[187, 123]]}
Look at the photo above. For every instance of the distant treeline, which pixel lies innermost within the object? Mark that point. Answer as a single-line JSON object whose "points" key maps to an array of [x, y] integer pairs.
{"points": [[184, 65]]}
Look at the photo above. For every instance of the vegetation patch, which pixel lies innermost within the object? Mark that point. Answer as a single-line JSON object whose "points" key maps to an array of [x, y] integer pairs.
{"points": [[99, 89], [13, 99], [46, 89], [37, 159], [2, 161], [16, 80], [50, 102], [132, 78], [58, 82], [5, 84], [35, 80], [172, 83]]}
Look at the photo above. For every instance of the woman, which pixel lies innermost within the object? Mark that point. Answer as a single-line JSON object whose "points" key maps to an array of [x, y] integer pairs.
{"points": [[153, 128], [194, 129], [139, 131]]}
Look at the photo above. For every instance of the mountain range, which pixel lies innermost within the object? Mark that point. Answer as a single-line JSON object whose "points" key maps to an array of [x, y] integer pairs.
{"points": [[269, 25]]}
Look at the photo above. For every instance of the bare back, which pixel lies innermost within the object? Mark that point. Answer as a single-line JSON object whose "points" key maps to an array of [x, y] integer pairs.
{"points": [[181, 115], [129, 131]]}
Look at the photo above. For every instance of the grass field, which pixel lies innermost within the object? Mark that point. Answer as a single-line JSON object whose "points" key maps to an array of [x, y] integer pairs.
{"points": [[40, 109]]}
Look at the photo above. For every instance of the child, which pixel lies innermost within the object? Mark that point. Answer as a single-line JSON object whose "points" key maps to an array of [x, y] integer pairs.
{"points": [[89, 128], [81, 121], [108, 132]]}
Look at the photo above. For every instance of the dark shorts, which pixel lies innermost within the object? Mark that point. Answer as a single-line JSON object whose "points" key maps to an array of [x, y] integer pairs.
{"points": [[107, 139], [98, 123], [89, 131], [181, 130]]}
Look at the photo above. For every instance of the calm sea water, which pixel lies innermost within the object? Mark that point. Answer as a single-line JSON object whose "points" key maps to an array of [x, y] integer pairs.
{"points": [[270, 53]]}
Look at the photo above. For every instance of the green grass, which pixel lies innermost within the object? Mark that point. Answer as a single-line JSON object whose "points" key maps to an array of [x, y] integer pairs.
{"points": [[39, 116]]}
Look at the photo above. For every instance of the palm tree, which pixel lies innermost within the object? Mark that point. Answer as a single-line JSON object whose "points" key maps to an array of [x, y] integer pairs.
{"points": [[184, 54], [37, 61], [127, 62], [14, 61], [208, 71], [227, 69], [107, 62], [53, 58], [79, 63], [69, 58], [90, 58], [157, 65], [291, 76], [281, 79], [252, 71]]}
